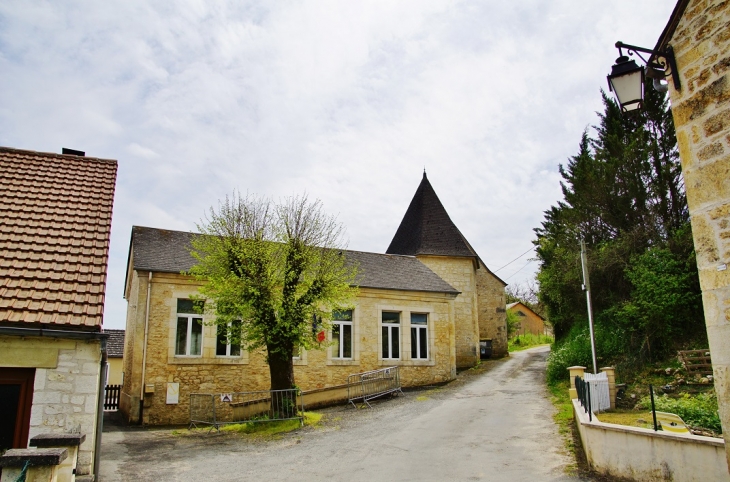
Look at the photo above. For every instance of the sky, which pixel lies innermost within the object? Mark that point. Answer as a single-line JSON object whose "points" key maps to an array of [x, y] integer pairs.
{"points": [[346, 101]]}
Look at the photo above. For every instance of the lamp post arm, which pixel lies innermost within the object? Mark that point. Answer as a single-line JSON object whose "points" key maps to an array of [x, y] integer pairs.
{"points": [[667, 54]]}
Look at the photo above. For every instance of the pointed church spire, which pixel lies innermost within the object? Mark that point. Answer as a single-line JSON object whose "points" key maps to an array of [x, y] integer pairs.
{"points": [[427, 228]]}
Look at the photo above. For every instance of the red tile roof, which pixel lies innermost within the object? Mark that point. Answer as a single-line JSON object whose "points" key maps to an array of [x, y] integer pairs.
{"points": [[55, 222]]}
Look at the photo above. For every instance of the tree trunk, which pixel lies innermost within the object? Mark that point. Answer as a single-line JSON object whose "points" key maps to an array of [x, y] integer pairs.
{"points": [[281, 369]]}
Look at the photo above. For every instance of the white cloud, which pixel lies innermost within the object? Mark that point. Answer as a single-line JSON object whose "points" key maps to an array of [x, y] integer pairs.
{"points": [[348, 101]]}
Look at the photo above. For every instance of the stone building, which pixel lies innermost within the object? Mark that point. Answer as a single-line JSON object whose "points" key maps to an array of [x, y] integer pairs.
{"points": [[420, 312], [699, 33], [54, 243]]}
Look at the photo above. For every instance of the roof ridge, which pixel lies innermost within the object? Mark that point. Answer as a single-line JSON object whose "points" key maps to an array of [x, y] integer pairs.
{"points": [[13, 150]]}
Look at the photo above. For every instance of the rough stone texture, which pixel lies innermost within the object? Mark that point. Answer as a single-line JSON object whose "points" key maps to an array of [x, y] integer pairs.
{"points": [[460, 273], [57, 440], [64, 397], [53, 410], [34, 457], [492, 314], [701, 113], [314, 369]]}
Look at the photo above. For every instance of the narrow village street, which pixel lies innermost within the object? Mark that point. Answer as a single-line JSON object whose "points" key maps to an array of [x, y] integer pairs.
{"points": [[494, 426]]}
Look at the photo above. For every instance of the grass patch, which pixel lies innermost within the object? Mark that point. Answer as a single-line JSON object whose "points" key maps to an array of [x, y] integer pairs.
{"points": [[269, 429], [563, 417], [421, 398], [528, 340], [630, 418]]}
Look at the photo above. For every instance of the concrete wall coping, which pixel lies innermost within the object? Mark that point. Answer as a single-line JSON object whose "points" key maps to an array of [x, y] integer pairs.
{"points": [[58, 440], [34, 457], [646, 432]]}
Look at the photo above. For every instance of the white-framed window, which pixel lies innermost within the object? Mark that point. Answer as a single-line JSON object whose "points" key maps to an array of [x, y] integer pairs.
{"points": [[228, 339], [419, 336], [390, 325], [342, 334], [189, 332]]}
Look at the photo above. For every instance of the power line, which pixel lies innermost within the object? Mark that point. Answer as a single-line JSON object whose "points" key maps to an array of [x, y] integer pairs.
{"points": [[518, 257], [525, 266]]}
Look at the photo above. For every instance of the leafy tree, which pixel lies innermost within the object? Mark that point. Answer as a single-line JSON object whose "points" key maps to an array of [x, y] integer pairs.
{"points": [[623, 194], [513, 323], [277, 270]]}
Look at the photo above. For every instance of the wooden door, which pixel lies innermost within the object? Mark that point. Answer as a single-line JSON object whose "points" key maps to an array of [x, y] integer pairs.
{"points": [[16, 398]]}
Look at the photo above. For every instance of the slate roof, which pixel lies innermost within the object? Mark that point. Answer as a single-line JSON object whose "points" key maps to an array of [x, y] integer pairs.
{"points": [[115, 343], [55, 221], [427, 228], [162, 250]]}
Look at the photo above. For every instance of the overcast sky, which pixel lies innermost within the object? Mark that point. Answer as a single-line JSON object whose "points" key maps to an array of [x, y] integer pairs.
{"points": [[346, 100]]}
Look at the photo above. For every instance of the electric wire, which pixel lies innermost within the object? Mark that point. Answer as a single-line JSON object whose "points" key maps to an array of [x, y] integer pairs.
{"points": [[518, 257], [525, 266]]}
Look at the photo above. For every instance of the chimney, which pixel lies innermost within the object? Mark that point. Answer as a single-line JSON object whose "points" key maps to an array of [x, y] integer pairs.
{"points": [[72, 152]]}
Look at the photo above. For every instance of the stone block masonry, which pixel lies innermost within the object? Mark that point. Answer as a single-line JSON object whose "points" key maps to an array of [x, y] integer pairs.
{"points": [[65, 392], [314, 369], [701, 111], [65, 398]]}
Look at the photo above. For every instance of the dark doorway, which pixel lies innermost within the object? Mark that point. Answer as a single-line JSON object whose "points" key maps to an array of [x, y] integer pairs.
{"points": [[16, 398]]}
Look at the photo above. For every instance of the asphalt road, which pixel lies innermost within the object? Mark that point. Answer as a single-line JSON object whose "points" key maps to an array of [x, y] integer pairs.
{"points": [[495, 426]]}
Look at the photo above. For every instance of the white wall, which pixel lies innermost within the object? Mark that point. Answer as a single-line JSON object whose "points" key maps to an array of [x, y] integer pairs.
{"points": [[644, 455]]}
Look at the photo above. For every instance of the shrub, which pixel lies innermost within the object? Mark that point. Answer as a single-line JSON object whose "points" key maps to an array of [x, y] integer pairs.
{"points": [[575, 349], [697, 411]]}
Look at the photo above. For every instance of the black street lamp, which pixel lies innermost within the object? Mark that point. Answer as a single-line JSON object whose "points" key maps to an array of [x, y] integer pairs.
{"points": [[627, 79]]}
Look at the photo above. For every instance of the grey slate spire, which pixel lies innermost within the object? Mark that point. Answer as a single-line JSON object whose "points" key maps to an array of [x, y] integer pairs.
{"points": [[427, 228]]}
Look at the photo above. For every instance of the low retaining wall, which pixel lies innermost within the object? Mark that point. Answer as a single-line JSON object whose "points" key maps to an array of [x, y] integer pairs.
{"points": [[645, 455]]}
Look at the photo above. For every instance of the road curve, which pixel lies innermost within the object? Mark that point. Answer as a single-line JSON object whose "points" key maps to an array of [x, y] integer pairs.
{"points": [[496, 427]]}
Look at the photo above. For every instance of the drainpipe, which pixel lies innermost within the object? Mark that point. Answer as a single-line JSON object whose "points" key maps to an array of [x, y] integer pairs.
{"points": [[144, 347], [100, 408]]}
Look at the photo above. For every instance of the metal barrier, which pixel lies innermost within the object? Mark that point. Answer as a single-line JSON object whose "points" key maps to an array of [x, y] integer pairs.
{"points": [[583, 389], [245, 407], [373, 384]]}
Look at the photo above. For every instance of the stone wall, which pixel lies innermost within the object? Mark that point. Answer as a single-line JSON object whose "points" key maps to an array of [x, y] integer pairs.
{"points": [[461, 274], [492, 315], [701, 111], [136, 295], [314, 369], [66, 387]]}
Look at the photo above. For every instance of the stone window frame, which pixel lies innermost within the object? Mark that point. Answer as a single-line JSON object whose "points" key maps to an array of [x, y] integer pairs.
{"points": [[208, 350], [191, 318], [390, 328], [342, 323], [419, 327], [405, 341], [229, 346], [300, 360], [355, 359]]}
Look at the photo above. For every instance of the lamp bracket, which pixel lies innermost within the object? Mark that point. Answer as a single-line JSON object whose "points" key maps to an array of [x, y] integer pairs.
{"points": [[661, 63]]}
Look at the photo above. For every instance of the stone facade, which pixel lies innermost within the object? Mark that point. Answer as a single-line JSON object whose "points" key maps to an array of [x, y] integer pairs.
{"points": [[314, 369], [66, 387], [460, 273], [491, 307], [701, 111]]}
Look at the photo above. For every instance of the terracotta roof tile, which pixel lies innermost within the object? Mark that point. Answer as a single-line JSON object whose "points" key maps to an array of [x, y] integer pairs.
{"points": [[54, 237]]}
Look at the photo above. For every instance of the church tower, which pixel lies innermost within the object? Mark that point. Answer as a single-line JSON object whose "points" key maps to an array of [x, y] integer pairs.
{"points": [[428, 233]]}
